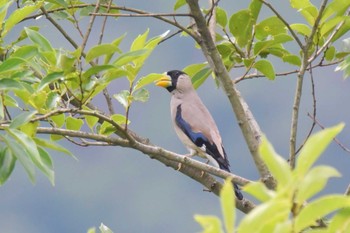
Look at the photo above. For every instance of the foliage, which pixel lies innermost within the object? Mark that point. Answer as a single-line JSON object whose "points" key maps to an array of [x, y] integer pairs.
{"points": [[295, 205]]}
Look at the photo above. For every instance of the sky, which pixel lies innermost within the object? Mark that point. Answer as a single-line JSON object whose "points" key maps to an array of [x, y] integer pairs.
{"points": [[128, 191]]}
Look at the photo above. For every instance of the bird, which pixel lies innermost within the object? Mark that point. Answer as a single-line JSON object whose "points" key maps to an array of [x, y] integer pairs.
{"points": [[193, 122]]}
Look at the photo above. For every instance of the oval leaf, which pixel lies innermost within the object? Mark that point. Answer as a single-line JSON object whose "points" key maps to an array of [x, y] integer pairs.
{"points": [[266, 68]]}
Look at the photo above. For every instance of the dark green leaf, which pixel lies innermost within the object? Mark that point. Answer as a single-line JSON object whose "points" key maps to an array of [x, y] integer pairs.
{"points": [[52, 145], [199, 78], [22, 119], [9, 84], [241, 27], [25, 52], [97, 69], [266, 68], [7, 164]]}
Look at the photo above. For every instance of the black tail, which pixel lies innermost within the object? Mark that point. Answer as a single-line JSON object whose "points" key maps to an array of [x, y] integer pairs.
{"points": [[238, 192]]}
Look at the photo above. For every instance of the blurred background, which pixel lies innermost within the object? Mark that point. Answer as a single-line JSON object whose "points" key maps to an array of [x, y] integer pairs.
{"points": [[130, 192]]}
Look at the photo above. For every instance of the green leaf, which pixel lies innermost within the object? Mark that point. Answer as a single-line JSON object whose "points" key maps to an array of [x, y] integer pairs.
{"points": [[179, 3], [210, 224], [255, 7], [10, 84], [50, 78], [200, 77], [306, 8], [139, 42], [74, 123], [266, 68], [292, 59], [22, 119], [221, 17], [47, 162], [18, 15], [344, 66], [30, 147], [91, 121], [256, 220], [107, 129], [129, 57], [313, 182], [330, 53], [100, 50], [278, 167], [52, 145], [193, 69], [329, 26], [104, 229], [141, 95], [39, 40], [58, 120], [4, 5], [25, 52], [119, 119], [319, 208], [123, 97], [269, 27], [21, 155], [7, 164], [52, 100], [116, 43], [314, 147], [241, 27], [340, 221], [13, 63], [335, 7], [97, 69], [227, 199], [150, 78], [259, 191]]}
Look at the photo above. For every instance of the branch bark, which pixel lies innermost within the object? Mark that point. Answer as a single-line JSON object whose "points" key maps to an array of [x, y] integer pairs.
{"points": [[248, 129]]}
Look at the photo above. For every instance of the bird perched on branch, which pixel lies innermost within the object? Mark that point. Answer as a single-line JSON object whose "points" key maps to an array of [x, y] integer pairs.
{"points": [[193, 123]]}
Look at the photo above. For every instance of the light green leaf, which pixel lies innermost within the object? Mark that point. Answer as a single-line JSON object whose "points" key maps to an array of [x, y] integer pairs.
{"points": [[104, 229], [314, 147], [47, 162], [7, 164], [22, 119], [100, 50], [39, 40], [269, 27], [241, 27], [266, 68], [139, 42], [256, 220], [129, 57], [58, 120], [329, 26], [74, 123], [52, 145], [335, 7], [107, 129], [18, 15], [306, 8], [221, 17], [227, 200], [318, 209], [50, 78], [340, 221], [150, 78], [210, 224], [123, 97], [141, 95], [4, 5], [91, 230], [119, 119], [179, 3], [21, 155], [292, 59], [255, 7], [91, 121], [313, 182], [278, 167], [259, 191], [13, 63], [25, 52], [193, 69]]}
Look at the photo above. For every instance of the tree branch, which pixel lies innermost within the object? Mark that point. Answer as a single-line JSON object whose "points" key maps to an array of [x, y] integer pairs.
{"points": [[214, 59]]}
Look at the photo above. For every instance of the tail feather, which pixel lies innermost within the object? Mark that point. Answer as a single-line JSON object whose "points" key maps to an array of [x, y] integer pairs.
{"points": [[238, 192]]}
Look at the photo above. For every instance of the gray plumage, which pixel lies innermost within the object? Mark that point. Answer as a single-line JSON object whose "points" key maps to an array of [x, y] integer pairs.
{"points": [[193, 123]]}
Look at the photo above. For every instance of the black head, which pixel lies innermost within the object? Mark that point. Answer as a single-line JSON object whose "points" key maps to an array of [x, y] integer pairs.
{"points": [[174, 75]]}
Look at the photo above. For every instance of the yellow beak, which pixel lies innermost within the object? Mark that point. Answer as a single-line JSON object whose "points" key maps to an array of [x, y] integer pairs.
{"points": [[164, 81]]}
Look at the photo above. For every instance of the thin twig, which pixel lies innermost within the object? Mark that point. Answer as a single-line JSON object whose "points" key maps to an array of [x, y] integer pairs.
{"points": [[142, 15], [89, 28]]}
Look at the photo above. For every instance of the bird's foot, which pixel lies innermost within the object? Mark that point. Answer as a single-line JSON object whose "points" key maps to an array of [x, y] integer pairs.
{"points": [[179, 167]]}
